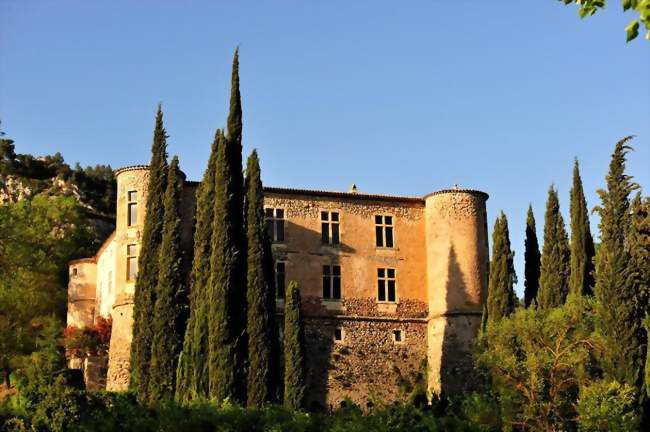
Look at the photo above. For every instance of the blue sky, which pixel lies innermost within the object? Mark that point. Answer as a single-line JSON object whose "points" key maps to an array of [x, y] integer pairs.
{"points": [[397, 97]]}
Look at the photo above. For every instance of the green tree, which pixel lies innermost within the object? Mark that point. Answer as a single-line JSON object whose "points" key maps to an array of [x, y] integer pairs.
{"points": [[642, 7], [193, 379], [554, 275], [501, 301], [147, 278], [582, 244], [532, 259], [619, 306], [294, 350], [170, 309], [261, 329], [38, 238], [607, 406], [227, 297], [536, 362]]}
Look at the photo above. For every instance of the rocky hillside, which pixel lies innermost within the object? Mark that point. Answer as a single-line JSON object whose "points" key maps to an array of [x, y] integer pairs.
{"points": [[23, 176]]}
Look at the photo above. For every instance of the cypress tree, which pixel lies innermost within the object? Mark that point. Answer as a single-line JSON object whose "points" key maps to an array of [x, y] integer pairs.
{"points": [[618, 304], [147, 278], [227, 295], [532, 258], [192, 379], [554, 275], [294, 350], [170, 309], [262, 339], [582, 244], [501, 301]]}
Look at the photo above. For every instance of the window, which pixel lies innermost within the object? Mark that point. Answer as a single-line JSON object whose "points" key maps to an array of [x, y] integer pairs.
{"points": [[384, 231], [398, 336], [330, 232], [74, 271], [338, 334], [131, 262], [386, 285], [332, 282], [132, 208], [275, 224], [279, 279]]}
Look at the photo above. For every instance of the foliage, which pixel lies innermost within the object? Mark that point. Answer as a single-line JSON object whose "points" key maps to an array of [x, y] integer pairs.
{"points": [[170, 309], [621, 307], [96, 184], [554, 275], [37, 239], [607, 406], [263, 352], [192, 379], [227, 296], [582, 244], [147, 278], [294, 349], [501, 299], [537, 361], [642, 7], [89, 340], [532, 258]]}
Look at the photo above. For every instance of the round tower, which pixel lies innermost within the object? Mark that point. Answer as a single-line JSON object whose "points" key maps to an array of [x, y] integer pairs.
{"points": [[81, 292], [132, 183], [457, 275]]}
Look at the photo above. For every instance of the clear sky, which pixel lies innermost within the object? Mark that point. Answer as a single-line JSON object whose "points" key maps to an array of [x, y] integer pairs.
{"points": [[398, 97]]}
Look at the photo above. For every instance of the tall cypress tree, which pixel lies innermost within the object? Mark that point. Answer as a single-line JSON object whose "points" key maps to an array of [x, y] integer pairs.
{"points": [[501, 301], [554, 275], [262, 367], [618, 304], [192, 379], [582, 244], [147, 278], [170, 309], [532, 258], [227, 295], [294, 350]]}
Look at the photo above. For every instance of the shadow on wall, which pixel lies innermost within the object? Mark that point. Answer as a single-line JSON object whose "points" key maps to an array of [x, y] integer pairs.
{"points": [[459, 333]]}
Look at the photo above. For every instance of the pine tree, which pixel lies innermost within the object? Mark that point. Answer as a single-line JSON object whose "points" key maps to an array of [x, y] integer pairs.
{"points": [[170, 309], [192, 379], [618, 304], [227, 296], [294, 350], [532, 258], [147, 278], [582, 244], [261, 329], [501, 301], [554, 275]]}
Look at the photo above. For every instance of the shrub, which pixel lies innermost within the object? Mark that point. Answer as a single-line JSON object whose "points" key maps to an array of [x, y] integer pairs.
{"points": [[607, 406]]}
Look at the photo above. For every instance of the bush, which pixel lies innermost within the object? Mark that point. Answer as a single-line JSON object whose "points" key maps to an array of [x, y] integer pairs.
{"points": [[607, 406]]}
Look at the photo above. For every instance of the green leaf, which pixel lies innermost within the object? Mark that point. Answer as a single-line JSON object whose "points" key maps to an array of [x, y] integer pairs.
{"points": [[632, 30], [627, 4]]}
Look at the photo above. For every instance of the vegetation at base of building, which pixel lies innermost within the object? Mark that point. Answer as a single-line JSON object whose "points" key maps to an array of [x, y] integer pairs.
{"points": [[38, 237], [582, 253], [532, 258], [87, 341], [170, 310], [192, 375], [227, 296], [148, 263], [554, 271], [294, 349], [502, 300], [263, 346]]}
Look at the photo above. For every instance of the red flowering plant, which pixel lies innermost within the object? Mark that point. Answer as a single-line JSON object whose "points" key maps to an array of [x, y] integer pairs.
{"points": [[89, 340]]}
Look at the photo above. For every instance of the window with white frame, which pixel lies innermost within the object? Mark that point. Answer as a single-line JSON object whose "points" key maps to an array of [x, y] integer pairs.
{"points": [[398, 336], [275, 224], [384, 231], [332, 282], [330, 229], [386, 286]]}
